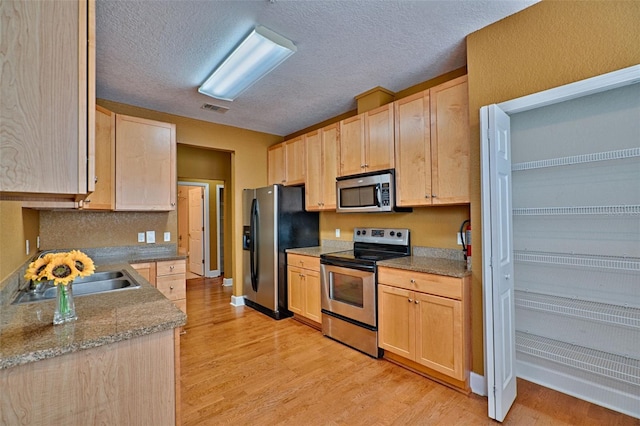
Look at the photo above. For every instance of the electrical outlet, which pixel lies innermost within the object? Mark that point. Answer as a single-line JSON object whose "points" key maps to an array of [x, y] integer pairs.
{"points": [[151, 237], [337, 232], [141, 237], [459, 239], [38, 242], [167, 236], [27, 244]]}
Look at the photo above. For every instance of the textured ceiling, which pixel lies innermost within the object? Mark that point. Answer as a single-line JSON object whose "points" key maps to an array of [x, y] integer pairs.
{"points": [[154, 54]]}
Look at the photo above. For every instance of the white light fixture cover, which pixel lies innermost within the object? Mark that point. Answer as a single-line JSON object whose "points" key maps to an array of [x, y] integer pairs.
{"points": [[255, 57]]}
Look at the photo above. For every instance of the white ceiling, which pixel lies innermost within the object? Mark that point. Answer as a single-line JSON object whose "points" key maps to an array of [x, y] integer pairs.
{"points": [[154, 54]]}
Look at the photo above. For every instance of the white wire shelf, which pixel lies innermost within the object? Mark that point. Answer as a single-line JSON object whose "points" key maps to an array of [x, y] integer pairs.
{"points": [[621, 368], [577, 159], [580, 260], [581, 309], [622, 210]]}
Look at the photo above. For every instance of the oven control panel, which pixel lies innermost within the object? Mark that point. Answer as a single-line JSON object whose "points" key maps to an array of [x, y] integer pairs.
{"points": [[397, 236]]}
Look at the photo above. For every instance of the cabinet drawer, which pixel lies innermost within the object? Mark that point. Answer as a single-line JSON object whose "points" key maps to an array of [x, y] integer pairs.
{"points": [[171, 267], [172, 286], [426, 283], [306, 262]]}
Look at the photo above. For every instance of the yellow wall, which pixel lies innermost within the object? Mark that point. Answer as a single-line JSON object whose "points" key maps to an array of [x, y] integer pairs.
{"points": [[430, 226], [16, 226], [248, 150], [547, 45]]}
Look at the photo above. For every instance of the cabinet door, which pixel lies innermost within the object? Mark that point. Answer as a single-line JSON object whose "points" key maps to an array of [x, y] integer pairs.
{"points": [[47, 76], [450, 142], [312, 301], [147, 270], [439, 339], [296, 290], [413, 150], [145, 164], [396, 322], [294, 161], [379, 139], [103, 197], [330, 137], [352, 146], [275, 165], [314, 175]]}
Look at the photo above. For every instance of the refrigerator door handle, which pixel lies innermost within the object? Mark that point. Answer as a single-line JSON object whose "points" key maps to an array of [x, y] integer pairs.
{"points": [[253, 245]]}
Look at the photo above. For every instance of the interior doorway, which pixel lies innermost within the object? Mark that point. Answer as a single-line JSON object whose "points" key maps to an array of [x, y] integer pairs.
{"points": [[199, 227]]}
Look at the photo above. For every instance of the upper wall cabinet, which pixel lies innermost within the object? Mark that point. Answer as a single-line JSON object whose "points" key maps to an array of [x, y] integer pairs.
{"points": [[432, 146], [145, 176], [47, 88], [366, 142], [286, 162], [322, 151], [103, 196]]}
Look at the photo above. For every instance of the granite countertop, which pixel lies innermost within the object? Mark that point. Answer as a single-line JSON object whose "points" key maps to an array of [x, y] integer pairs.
{"points": [[447, 265], [431, 265], [27, 332]]}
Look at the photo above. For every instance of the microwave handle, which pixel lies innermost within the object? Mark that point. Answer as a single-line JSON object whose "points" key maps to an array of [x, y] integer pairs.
{"points": [[378, 195]]}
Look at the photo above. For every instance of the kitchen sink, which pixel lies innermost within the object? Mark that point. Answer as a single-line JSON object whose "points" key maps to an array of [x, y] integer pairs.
{"points": [[100, 282]]}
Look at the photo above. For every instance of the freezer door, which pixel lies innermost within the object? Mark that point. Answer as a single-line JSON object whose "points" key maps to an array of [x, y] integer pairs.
{"points": [[266, 246], [247, 288]]}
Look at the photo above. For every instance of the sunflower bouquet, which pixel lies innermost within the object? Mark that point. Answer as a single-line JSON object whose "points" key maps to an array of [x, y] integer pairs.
{"points": [[61, 269]]}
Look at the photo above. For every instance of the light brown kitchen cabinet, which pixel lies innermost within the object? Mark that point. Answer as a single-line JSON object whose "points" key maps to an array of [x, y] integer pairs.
{"points": [[303, 275], [145, 164], [103, 196], [276, 168], [425, 319], [366, 142], [147, 270], [294, 161], [432, 146], [286, 162], [171, 281], [48, 94], [322, 151]]}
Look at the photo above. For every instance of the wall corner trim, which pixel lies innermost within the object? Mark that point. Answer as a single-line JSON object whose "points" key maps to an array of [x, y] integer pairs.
{"points": [[237, 300], [227, 282], [478, 384]]}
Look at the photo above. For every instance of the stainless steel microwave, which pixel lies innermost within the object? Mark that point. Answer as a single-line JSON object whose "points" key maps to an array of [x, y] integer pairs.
{"points": [[366, 193]]}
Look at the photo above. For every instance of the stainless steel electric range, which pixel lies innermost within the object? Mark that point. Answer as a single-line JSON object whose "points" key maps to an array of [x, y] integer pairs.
{"points": [[349, 286]]}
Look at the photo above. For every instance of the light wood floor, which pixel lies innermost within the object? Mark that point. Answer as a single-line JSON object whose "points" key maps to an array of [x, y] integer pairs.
{"points": [[240, 367]]}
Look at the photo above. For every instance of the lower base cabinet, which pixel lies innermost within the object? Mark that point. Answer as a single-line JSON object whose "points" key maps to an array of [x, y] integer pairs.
{"points": [[169, 277], [424, 319], [303, 276]]}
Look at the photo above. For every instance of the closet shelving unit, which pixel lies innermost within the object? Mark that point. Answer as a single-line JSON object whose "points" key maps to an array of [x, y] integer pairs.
{"points": [[576, 236]]}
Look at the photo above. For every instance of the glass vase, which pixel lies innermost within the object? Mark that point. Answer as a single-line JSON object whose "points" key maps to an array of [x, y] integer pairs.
{"points": [[65, 307]]}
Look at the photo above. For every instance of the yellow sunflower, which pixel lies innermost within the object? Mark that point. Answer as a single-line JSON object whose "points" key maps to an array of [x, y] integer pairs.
{"points": [[83, 263], [37, 269], [61, 269]]}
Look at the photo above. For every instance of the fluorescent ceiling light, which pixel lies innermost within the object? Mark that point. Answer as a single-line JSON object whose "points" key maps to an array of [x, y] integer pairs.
{"points": [[255, 57]]}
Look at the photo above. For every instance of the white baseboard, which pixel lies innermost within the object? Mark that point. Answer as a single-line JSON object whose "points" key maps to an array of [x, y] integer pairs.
{"points": [[478, 384], [237, 300], [227, 282]]}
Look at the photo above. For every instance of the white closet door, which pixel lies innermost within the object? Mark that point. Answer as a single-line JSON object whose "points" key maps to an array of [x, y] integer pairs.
{"points": [[498, 261]]}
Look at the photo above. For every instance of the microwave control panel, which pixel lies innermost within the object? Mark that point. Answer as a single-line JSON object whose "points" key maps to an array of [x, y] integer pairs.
{"points": [[385, 197]]}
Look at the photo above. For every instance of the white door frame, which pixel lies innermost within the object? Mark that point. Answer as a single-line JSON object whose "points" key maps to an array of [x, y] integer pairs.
{"points": [[208, 272], [601, 83], [220, 244]]}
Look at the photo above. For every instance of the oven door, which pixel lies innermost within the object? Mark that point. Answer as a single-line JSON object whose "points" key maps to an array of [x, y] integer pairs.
{"points": [[349, 292]]}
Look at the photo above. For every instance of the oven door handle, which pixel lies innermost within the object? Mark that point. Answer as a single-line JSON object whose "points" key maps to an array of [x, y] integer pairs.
{"points": [[346, 264]]}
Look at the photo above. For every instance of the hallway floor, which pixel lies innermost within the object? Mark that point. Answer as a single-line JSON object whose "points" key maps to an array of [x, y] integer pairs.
{"points": [[241, 367]]}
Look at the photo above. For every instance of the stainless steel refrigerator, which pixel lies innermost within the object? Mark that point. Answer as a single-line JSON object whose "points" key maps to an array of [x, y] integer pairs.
{"points": [[274, 220]]}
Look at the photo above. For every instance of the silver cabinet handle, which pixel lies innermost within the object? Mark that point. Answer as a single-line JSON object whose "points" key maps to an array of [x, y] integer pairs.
{"points": [[410, 300], [95, 179], [417, 301], [171, 287], [412, 281], [433, 195], [171, 267]]}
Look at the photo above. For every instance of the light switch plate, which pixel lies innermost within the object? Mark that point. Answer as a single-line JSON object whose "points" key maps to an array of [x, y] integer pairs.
{"points": [[337, 232], [167, 236], [141, 237], [459, 239], [151, 237]]}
